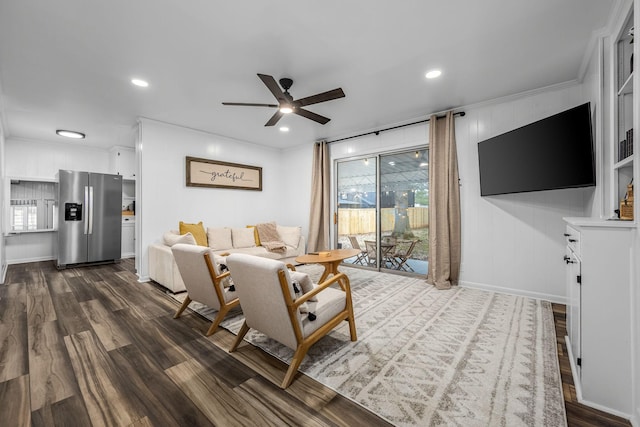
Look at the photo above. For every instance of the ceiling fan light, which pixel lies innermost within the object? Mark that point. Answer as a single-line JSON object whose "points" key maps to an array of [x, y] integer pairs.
{"points": [[286, 110]]}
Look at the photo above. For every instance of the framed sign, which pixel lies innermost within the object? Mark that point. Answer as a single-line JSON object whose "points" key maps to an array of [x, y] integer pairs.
{"points": [[215, 174]]}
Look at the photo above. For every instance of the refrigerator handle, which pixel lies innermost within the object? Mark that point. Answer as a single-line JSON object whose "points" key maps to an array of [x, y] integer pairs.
{"points": [[86, 209], [91, 209]]}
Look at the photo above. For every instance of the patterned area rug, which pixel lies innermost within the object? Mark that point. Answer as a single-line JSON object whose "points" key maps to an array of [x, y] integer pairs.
{"points": [[459, 357]]}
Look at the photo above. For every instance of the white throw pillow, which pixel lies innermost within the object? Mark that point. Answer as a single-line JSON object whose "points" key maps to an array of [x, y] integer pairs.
{"points": [[290, 235], [170, 238], [219, 238], [243, 238]]}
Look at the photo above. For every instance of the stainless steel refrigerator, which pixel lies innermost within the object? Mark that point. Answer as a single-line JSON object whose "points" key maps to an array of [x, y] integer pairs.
{"points": [[89, 217]]}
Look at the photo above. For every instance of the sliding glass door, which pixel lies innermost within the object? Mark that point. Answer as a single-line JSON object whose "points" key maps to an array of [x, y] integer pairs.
{"points": [[383, 209]]}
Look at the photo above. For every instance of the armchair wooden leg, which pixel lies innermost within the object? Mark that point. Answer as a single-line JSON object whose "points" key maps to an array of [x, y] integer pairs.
{"points": [[184, 305], [243, 331], [221, 314], [301, 351], [352, 327]]}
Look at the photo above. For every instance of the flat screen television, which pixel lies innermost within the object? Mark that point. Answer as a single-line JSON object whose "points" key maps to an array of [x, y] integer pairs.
{"points": [[552, 153]]}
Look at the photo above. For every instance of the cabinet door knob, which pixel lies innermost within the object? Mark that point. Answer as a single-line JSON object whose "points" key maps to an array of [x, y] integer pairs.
{"points": [[567, 234], [572, 240]]}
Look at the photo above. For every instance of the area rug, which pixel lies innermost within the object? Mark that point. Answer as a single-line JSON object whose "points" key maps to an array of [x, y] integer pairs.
{"points": [[459, 357]]}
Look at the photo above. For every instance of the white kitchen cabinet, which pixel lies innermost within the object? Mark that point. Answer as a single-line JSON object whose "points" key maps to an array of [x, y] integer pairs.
{"points": [[122, 161], [599, 290], [128, 237]]}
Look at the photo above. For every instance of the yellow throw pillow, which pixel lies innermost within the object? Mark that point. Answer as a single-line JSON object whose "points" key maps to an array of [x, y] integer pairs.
{"points": [[197, 230], [255, 234]]}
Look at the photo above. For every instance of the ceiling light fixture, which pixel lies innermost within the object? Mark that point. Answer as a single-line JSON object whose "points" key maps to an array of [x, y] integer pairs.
{"points": [[286, 110], [140, 82], [70, 134], [284, 129], [433, 74]]}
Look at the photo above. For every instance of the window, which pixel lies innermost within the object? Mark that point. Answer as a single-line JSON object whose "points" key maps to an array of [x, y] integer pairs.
{"points": [[31, 205], [24, 216]]}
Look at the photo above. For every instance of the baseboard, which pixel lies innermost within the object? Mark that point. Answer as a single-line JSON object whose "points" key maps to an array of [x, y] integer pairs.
{"points": [[143, 279], [3, 274], [26, 260], [535, 295]]}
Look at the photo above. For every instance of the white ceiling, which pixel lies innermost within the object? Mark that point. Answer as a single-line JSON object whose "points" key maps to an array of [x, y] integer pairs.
{"points": [[68, 63]]}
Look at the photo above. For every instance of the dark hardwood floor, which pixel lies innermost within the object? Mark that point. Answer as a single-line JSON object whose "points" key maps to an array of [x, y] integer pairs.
{"points": [[92, 346]]}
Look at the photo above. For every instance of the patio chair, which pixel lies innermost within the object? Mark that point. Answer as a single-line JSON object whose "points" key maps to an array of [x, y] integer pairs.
{"points": [[372, 253], [204, 281], [267, 294], [361, 258], [402, 256]]}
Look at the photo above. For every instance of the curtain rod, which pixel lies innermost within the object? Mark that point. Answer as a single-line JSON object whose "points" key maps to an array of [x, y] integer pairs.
{"points": [[377, 132]]}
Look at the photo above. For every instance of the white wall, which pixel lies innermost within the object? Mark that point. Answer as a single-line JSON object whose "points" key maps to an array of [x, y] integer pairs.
{"points": [[165, 200], [41, 160], [515, 242], [3, 257]]}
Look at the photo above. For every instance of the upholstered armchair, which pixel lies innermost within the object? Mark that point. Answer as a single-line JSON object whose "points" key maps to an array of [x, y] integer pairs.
{"points": [[204, 281], [268, 299]]}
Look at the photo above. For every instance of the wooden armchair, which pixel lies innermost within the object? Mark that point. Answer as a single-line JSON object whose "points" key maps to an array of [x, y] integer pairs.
{"points": [[204, 281], [269, 305]]}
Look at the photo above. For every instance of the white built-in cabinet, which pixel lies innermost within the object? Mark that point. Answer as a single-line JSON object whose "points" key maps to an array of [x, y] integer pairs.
{"points": [[599, 290], [122, 161], [624, 135]]}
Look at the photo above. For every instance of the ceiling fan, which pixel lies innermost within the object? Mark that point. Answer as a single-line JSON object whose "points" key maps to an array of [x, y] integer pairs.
{"points": [[286, 104]]}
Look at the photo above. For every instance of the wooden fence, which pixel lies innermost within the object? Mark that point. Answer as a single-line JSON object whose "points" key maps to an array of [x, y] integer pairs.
{"points": [[363, 221]]}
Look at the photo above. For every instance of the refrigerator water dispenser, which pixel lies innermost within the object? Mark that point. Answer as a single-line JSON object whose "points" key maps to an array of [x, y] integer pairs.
{"points": [[73, 211]]}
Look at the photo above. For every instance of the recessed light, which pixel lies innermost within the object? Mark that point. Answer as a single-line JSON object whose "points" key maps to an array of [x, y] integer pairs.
{"points": [[286, 110], [284, 129], [140, 82], [70, 134], [433, 74]]}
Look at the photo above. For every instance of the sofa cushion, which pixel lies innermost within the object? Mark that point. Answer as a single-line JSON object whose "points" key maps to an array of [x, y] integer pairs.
{"points": [[219, 238], [243, 238], [197, 230], [290, 235], [170, 238]]}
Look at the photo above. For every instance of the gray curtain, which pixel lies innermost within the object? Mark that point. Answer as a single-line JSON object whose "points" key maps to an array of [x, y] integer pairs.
{"points": [[319, 215], [444, 204]]}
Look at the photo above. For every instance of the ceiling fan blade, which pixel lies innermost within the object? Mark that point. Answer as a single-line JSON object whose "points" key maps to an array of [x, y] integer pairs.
{"points": [[309, 115], [273, 86], [244, 104], [321, 97], [274, 119]]}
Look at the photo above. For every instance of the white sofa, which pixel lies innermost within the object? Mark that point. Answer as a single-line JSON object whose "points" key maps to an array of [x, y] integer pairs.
{"points": [[163, 268]]}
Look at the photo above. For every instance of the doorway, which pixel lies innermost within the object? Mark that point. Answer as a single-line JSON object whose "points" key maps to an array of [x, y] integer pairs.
{"points": [[382, 209]]}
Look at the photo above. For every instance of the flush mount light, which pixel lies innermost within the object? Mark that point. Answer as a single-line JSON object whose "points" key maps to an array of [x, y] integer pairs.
{"points": [[433, 74], [284, 129], [70, 134], [286, 110], [140, 82]]}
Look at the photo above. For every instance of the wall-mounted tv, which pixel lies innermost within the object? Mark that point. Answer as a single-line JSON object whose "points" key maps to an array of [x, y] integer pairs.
{"points": [[552, 153]]}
